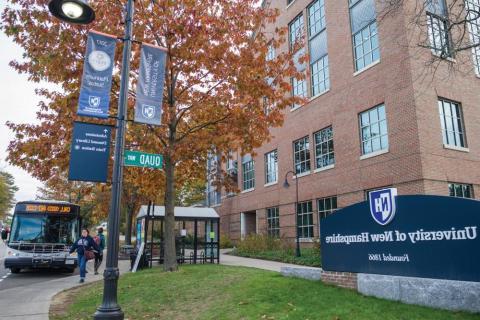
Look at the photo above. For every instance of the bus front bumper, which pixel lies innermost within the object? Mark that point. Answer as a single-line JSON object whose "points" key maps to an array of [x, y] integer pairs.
{"points": [[39, 262]]}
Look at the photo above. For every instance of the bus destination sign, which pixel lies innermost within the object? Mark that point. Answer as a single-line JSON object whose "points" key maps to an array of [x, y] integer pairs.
{"points": [[47, 208]]}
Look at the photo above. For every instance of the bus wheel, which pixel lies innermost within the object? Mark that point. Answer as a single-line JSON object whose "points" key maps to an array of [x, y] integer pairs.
{"points": [[15, 270]]}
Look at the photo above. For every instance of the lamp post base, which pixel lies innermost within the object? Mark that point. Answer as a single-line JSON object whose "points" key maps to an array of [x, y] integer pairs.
{"points": [[116, 314]]}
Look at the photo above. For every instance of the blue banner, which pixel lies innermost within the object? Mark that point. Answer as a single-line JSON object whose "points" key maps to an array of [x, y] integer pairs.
{"points": [[148, 106], [89, 152], [414, 235], [94, 97]]}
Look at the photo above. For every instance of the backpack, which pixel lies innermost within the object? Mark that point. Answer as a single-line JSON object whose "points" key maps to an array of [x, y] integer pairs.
{"points": [[97, 240]]}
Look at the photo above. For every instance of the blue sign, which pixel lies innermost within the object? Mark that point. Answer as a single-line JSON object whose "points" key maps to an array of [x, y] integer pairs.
{"points": [[151, 77], [413, 235], [382, 205], [89, 152], [94, 97]]}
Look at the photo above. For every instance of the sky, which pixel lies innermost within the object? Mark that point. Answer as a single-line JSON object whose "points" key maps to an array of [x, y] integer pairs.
{"points": [[18, 104]]}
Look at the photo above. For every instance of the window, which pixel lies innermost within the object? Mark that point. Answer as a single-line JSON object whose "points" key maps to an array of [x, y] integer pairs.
{"points": [[305, 219], [270, 53], [299, 87], [451, 119], [460, 190], [363, 22], [273, 222], [437, 25], [324, 154], [473, 17], [318, 47], [326, 206], [248, 169], [271, 167], [301, 155], [373, 130], [214, 195]]}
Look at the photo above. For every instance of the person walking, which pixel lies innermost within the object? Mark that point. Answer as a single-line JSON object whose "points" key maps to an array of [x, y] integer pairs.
{"points": [[85, 247], [100, 241]]}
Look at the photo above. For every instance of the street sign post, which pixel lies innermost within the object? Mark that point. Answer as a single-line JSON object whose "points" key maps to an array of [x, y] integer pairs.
{"points": [[142, 159]]}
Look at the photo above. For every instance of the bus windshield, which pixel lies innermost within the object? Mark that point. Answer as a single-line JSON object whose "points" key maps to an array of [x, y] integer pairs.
{"points": [[44, 228]]}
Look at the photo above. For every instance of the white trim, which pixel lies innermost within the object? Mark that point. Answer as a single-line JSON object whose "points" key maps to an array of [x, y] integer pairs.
{"points": [[271, 183], [296, 108], [373, 154], [216, 205], [290, 4], [302, 174], [304, 240], [441, 58], [319, 95], [462, 149], [366, 68], [330, 166], [248, 190]]}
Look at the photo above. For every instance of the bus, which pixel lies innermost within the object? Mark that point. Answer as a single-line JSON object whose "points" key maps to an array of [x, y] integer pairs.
{"points": [[41, 235]]}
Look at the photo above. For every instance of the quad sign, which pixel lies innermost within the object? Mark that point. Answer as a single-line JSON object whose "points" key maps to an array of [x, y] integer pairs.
{"points": [[416, 235], [142, 159]]}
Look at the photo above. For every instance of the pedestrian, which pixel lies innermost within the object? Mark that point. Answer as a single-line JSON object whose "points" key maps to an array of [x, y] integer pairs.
{"points": [[85, 247], [100, 241]]}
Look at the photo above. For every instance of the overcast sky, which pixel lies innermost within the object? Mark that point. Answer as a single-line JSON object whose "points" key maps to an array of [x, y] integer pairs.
{"points": [[18, 103]]}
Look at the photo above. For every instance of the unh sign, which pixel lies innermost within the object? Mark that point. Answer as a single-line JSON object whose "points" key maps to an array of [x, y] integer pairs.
{"points": [[417, 235]]}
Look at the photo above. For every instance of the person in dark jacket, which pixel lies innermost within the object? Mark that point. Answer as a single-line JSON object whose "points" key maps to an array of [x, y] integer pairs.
{"points": [[101, 246], [85, 243]]}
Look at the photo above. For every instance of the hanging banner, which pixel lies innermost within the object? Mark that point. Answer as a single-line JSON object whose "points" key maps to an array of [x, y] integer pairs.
{"points": [[148, 107], [94, 98], [90, 152]]}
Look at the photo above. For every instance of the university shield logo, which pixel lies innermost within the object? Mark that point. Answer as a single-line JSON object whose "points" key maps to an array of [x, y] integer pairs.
{"points": [[382, 205], [94, 101], [148, 111]]}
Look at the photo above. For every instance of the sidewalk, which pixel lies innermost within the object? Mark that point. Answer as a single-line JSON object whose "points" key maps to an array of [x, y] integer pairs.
{"points": [[33, 302], [230, 260]]}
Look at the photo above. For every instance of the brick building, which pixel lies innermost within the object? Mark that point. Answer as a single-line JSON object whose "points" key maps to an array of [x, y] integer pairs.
{"points": [[372, 120]]}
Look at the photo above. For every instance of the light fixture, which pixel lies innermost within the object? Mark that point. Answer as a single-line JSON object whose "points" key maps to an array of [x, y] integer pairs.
{"points": [[72, 11]]}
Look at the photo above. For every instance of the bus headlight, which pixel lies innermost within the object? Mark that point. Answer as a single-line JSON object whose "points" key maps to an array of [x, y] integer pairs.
{"points": [[12, 253]]}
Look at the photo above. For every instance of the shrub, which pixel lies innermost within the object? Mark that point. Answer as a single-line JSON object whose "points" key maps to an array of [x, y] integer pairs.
{"points": [[225, 242]]}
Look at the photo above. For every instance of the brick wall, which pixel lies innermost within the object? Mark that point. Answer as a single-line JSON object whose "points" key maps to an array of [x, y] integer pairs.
{"points": [[341, 279]]}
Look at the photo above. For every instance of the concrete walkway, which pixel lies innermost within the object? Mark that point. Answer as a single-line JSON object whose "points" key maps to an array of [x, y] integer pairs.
{"points": [[230, 260], [32, 302]]}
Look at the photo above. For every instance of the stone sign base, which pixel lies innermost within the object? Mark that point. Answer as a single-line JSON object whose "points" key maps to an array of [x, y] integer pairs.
{"points": [[436, 293]]}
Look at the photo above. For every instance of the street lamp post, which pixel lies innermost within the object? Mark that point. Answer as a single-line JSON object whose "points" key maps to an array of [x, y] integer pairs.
{"points": [[286, 185], [78, 11]]}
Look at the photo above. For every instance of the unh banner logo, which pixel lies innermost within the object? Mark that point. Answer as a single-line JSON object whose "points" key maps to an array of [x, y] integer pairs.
{"points": [[382, 205]]}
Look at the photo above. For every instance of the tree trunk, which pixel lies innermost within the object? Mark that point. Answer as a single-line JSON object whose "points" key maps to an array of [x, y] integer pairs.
{"points": [[170, 257], [128, 231]]}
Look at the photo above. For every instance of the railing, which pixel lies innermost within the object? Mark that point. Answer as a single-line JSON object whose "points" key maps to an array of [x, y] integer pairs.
{"points": [[39, 247]]}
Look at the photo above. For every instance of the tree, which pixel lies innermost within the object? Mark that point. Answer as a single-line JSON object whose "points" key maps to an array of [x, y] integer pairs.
{"points": [[447, 28], [7, 193], [215, 93]]}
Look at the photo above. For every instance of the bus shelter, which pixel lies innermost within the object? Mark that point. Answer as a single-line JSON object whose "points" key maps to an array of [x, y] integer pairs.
{"points": [[197, 234]]}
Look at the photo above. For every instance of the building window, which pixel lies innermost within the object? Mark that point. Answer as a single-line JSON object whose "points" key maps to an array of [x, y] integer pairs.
{"points": [[373, 130], [363, 22], [299, 87], [301, 155], [473, 17], [305, 219], [317, 35], [460, 190], [324, 153], [451, 119], [326, 206], [437, 26], [270, 53], [248, 169], [273, 222], [271, 167], [214, 196]]}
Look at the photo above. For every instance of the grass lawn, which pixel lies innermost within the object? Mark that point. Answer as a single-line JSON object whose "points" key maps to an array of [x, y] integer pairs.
{"points": [[221, 292], [309, 257]]}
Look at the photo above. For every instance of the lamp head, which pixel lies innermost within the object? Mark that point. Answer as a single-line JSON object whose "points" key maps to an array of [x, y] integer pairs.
{"points": [[72, 11]]}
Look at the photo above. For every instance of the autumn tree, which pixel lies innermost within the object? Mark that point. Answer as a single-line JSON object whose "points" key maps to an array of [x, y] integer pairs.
{"points": [[7, 193], [217, 85]]}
